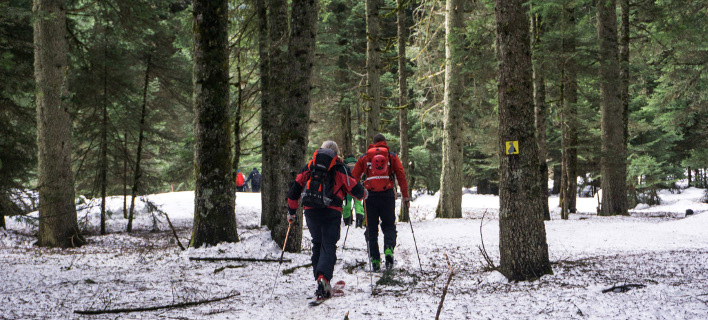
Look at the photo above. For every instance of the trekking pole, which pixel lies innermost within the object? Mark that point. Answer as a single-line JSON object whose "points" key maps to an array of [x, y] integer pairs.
{"points": [[345, 238], [280, 261], [416, 244], [368, 250]]}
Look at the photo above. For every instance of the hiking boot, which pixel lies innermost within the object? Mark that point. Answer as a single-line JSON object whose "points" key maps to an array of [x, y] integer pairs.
{"points": [[389, 258], [376, 264], [359, 221], [324, 289]]}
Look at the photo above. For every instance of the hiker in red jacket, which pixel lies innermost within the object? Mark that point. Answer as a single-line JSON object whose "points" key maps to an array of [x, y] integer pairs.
{"points": [[239, 181], [380, 166], [323, 184]]}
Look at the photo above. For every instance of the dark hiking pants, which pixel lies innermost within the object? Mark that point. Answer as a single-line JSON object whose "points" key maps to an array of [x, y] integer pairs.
{"points": [[380, 206], [324, 226]]}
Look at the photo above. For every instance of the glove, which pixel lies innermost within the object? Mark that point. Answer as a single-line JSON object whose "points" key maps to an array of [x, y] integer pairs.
{"points": [[407, 202], [348, 220], [292, 218]]}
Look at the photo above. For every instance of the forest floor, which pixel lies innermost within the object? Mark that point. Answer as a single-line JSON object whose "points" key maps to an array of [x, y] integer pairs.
{"points": [[657, 247]]}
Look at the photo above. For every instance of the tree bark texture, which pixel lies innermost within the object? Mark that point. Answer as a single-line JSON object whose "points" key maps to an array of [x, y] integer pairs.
{"points": [[267, 125], [403, 96], [569, 123], [58, 226], [137, 173], [373, 69], [624, 66], [296, 111], [214, 202], [614, 155], [125, 175], [522, 245], [104, 133], [274, 92], [540, 109], [237, 116], [450, 205]]}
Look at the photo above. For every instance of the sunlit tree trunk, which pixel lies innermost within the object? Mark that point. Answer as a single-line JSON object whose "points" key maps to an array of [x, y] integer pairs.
{"points": [[214, 202], [522, 236], [450, 205], [614, 155]]}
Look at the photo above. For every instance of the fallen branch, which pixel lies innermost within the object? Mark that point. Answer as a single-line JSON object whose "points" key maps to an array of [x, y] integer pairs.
{"points": [[291, 270], [236, 259], [449, 278], [174, 232], [487, 259], [169, 306], [217, 270], [623, 288]]}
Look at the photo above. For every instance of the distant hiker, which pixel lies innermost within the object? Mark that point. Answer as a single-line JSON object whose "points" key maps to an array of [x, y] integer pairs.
{"points": [[350, 162], [239, 181], [255, 179], [323, 184], [380, 165]]}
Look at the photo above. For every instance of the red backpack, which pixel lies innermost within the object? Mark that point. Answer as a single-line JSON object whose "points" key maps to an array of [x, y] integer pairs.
{"points": [[378, 170], [239, 179]]}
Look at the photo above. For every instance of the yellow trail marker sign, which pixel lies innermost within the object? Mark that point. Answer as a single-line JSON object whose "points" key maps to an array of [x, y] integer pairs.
{"points": [[512, 147]]}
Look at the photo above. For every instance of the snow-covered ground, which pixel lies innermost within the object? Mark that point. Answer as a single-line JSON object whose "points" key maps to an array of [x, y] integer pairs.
{"points": [[657, 246]]}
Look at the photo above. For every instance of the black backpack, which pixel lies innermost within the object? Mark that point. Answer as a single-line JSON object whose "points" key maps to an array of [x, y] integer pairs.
{"points": [[318, 191], [256, 178]]}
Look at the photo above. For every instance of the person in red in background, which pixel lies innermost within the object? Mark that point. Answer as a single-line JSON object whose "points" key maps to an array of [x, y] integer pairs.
{"points": [[380, 165], [323, 184], [239, 181]]}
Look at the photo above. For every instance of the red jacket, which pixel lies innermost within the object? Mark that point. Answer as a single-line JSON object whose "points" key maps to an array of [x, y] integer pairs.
{"points": [[363, 163], [343, 184]]}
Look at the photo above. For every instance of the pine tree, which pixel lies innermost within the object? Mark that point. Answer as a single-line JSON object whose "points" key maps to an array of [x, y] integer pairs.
{"points": [[614, 155], [373, 69], [58, 226], [450, 205], [403, 96], [522, 234], [214, 204]]}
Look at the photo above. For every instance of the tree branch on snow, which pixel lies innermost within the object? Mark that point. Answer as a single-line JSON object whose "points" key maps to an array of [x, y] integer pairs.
{"points": [[623, 288], [488, 260], [449, 278], [169, 306], [211, 259]]}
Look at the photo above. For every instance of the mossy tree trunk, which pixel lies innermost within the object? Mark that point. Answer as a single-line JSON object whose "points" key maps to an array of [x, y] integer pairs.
{"points": [[403, 97], [613, 163], [373, 69], [58, 226], [522, 235], [450, 205], [214, 202]]}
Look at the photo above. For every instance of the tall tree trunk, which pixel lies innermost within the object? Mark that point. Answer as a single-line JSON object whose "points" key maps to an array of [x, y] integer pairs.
{"points": [[450, 205], [373, 69], [557, 175], [58, 226], [137, 173], [614, 155], [125, 175], [104, 133], [267, 125], [569, 118], [237, 117], [403, 97], [296, 112], [214, 202], [272, 118], [522, 235], [624, 66], [541, 109]]}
